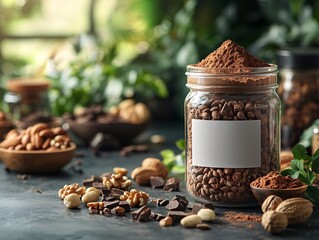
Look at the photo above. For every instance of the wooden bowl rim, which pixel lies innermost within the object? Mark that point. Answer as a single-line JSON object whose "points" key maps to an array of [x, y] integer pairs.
{"points": [[69, 149], [304, 186]]}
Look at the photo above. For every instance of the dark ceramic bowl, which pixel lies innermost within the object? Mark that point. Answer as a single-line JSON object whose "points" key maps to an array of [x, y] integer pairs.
{"points": [[124, 132], [38, 161], [262, 193]]}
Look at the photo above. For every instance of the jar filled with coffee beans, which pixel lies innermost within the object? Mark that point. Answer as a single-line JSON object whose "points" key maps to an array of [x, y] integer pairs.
{"points": [[299, 92], [232, 120]]}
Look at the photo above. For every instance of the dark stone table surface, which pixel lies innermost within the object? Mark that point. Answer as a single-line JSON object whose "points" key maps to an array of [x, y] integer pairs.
{"points": [[31, 209]]}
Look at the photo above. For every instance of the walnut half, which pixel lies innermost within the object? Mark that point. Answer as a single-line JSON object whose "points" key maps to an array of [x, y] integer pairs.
{"points": [[135, 198], [73, 188]]}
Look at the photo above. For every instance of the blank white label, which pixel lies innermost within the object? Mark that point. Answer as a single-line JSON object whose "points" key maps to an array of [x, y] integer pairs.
{"points": [[226, 144]]}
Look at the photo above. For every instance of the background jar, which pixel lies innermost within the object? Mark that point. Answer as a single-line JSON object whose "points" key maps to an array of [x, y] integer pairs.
{"points": [[27, 102], [232, 120], [299, 92]]}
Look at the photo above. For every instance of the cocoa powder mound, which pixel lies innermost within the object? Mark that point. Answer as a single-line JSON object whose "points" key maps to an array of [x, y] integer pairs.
{"points": [[231, 55], [274, 180]]}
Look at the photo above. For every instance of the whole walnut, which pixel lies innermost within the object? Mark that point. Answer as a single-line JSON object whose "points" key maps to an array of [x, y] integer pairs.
{"points": [[274, 222], [271, 203]]}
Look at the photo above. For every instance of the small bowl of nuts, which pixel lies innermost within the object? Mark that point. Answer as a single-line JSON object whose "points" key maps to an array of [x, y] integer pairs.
{"points": [[121, 123], [38, 149], [275, 184]]}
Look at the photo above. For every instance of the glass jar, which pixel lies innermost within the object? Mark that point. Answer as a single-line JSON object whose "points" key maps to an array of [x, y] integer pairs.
{"points": [[232, 119], [299, 91], [27, 101]]}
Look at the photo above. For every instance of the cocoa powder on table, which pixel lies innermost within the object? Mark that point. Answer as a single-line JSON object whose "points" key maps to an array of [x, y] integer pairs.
{"points": [[274, 180]]}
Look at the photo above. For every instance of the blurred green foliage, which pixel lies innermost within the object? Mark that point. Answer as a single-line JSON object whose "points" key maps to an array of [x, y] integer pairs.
{"points": [[91, 77], [295, 23], [145, 46]]}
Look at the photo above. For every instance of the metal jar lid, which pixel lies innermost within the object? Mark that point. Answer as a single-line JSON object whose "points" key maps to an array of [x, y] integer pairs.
{"points": [[296, 58]]}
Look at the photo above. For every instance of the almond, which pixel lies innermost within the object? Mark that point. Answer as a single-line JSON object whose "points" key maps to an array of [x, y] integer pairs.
{"points": [[155, 164], [12, 134], [38, 141], [297, 210], [19, 147], [46, 133], [11, 142], [142, 175], [38, 127], [30, 146], [46, 143], [58, 131], [25, 139]]}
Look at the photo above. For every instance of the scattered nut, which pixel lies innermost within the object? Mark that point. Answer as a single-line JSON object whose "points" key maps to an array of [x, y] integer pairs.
{"points": [[73, 188], [135, 198], [155, 164], [98, 208], [132, 112], [119, 211], [142, 175], [93, 189], [116, 181], [206, 214], [90, 197], [36, 137], [271, 203], [191, 221], [297, 210], [274, 222], [167, 221], [120, 170], [72, 200]]}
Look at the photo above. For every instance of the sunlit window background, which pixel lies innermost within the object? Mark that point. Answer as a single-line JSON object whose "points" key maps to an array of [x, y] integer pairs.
{"points": [[112, 49]]}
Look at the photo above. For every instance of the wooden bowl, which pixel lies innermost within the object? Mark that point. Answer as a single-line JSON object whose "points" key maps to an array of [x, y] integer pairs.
{"points": [[124, 132], [5, 128], [38, 161], [262, 193]]}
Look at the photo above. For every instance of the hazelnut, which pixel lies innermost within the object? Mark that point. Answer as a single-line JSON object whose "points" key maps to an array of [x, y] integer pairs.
{"points": [[72, 200]]}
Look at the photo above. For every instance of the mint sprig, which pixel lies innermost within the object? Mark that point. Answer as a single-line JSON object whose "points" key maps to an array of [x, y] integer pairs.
{"points": [[305, 168]]}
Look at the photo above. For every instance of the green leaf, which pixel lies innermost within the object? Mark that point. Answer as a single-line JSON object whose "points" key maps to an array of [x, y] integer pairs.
{"points": [[295, 175], [181, 144], [312, 194], [315, 166], [297, 164], [299, 151], [303, 177], [315, 155], [308, 158], [289, 172], [178, 169], [167, 155], [311, 176]]}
